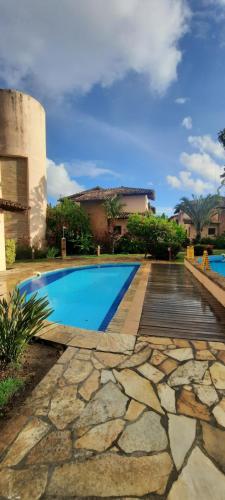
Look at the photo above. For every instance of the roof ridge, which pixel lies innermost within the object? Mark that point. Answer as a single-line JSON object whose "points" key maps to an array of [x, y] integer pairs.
{"points": [[98, 193]]}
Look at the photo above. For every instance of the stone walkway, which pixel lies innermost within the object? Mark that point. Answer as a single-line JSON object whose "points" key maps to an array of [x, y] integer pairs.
{"points": [[150, 424]]}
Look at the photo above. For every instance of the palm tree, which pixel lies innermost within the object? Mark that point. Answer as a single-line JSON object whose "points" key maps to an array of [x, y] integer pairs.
{"points": [[113, 207], [199, 209], [221, 139]]}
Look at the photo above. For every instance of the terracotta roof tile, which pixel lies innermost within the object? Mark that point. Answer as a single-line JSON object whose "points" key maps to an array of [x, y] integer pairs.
{"points": [[99, 193], [12, 206]]}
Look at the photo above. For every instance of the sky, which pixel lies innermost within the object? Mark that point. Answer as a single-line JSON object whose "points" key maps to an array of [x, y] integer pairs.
{"points": [[134, 90]]}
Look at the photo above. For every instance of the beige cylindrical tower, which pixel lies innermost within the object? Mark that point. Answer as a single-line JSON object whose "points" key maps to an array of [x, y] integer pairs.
{"points": [[23, 165]]}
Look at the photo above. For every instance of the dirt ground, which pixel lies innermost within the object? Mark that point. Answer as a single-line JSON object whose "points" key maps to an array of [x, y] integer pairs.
{"points": [[37, 361]]}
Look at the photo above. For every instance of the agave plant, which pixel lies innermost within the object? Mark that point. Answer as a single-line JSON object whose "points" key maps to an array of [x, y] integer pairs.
{"points": [[20, 320]]}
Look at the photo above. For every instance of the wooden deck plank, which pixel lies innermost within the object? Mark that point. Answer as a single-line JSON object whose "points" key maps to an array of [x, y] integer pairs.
{"points": [[177, 305]]}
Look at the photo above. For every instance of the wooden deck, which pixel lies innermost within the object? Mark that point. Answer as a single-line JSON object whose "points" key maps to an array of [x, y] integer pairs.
{"points": [[177, 305]]}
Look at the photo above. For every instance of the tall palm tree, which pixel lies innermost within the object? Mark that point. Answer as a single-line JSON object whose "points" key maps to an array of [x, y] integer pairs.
{"points": [[113, 208], [199, 209]]}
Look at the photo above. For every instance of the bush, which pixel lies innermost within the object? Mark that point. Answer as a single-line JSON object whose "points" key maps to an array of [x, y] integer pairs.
{"points": [[10, 252], [157, 234], [23, 251], [128, 244], [199, 249], [69, 215], [207, 241], [40, 253], [8, 388], [20, 320], [84, 244], [218, 242], [52, 253], [161, 251]]}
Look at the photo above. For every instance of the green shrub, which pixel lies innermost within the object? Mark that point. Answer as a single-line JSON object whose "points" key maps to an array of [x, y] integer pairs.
{"points": [[69, 215], [20, 320], [207, 241], [52, 253], [218, 242], [156, 234], [40, 253], [8, 388], [161, 252], [199, 249], [128, 244], [23, 251], [10, 252], [84, 244]]}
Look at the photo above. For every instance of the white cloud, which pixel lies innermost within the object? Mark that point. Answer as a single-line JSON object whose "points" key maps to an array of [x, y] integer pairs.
{"points": [[220, 2], [198, 186], [205, 143], [59, 182], [187, 122], [186, 183], [73, 45], [173, 181], [89, 169], [181, 100], [202, 164]]}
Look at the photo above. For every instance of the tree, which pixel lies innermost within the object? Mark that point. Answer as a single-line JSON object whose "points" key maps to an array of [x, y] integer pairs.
{"points": [[157, 233], [113, 208], [221, 139], [199, 209], [69, 215]]}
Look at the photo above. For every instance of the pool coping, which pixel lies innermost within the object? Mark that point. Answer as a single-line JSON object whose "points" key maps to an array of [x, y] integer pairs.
{"points": [[211, 280], [120, 335]]}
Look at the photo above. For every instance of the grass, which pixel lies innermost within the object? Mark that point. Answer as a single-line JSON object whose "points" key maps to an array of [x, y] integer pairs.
{"points": [[8, 388], [179, 259], [79, 257]]}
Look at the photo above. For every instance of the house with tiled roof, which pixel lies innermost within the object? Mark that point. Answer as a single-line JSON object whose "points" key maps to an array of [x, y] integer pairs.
{"points": [[134, 200], [215, 227]]}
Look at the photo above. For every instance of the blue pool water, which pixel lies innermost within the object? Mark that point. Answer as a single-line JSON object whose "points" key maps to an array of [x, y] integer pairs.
{"points": [[85, 297], [217, 264]]}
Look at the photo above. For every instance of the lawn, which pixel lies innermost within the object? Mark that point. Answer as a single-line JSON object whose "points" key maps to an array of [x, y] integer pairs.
{"points": [[8, 388], [179, 259]]}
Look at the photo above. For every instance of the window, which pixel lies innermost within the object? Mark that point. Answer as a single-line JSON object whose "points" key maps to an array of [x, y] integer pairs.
{"points": [[117, 230], [211, 231]]}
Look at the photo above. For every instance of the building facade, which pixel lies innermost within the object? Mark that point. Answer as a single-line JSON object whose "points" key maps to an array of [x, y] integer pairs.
{"points": [[215, 228], [134, 200], [22, 169]]}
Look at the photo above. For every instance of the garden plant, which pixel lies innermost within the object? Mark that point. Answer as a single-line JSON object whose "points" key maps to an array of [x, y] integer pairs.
{"points": [[20, 320]]}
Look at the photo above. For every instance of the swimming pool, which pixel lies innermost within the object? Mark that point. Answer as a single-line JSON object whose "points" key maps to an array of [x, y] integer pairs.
{"points": [[217, 264], [84, 297]]}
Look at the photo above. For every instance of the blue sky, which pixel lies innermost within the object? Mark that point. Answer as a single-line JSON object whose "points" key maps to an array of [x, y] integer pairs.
{"points": [[134, 94]]}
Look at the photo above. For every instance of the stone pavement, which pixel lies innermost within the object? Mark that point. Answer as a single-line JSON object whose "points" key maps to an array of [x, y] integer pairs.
{"points": [[100, 424]]}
